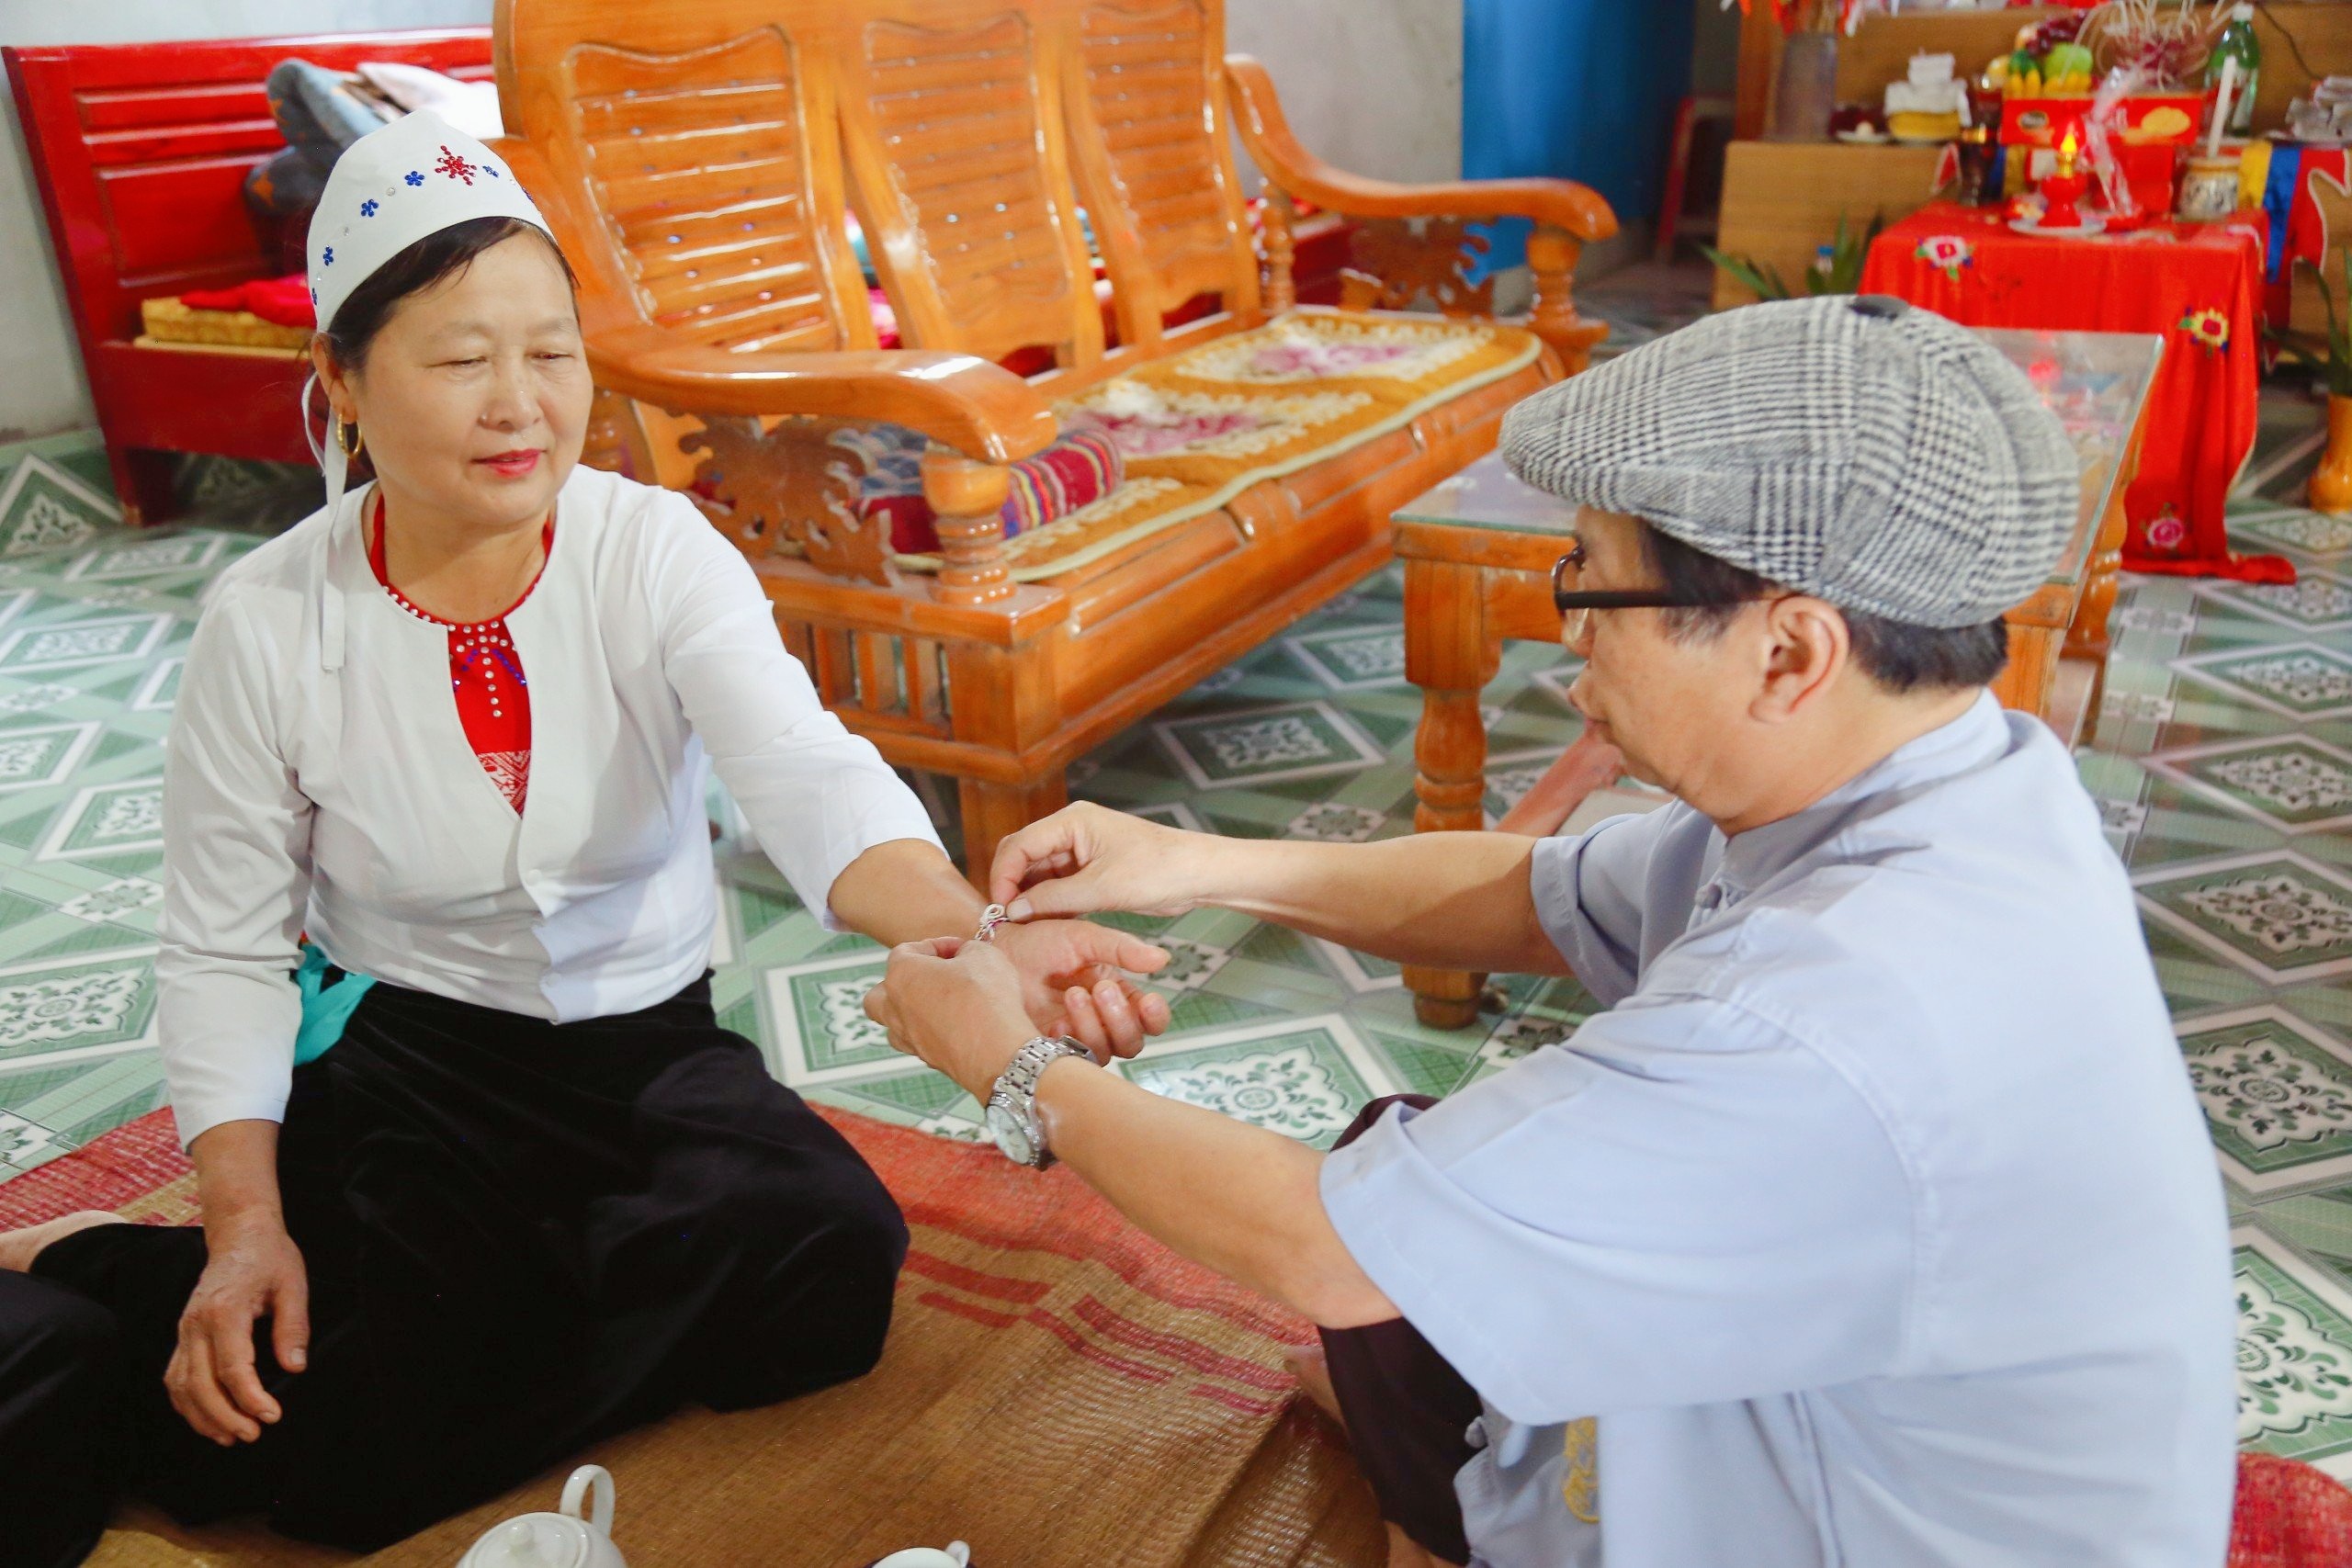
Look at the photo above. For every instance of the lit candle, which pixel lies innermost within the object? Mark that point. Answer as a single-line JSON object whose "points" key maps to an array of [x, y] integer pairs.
{"points": [[2060, 189]]}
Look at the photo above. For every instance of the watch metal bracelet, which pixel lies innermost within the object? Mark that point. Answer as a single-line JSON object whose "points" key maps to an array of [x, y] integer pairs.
{"points": [[1012, 1111]]}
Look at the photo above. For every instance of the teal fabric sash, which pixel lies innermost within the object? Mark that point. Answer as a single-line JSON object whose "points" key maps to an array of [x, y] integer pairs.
{"points": [[325, 1009]]}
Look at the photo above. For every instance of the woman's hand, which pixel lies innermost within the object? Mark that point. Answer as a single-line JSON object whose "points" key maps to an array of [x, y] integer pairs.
{"points": [[1590, 763], [956, 1004], [1071, 984], [1087, 857], [254, 1270]]}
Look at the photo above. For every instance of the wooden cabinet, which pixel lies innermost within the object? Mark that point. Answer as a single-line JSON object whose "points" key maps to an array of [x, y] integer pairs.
{"points": [[1783, 200]]}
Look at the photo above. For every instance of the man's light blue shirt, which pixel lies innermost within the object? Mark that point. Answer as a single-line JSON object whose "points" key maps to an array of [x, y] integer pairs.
{"points": [[1875, 1221]]}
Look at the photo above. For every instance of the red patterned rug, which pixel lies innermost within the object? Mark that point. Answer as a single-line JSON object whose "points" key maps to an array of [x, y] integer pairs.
{"points": [[1039, 1335], [1058, 1389]]}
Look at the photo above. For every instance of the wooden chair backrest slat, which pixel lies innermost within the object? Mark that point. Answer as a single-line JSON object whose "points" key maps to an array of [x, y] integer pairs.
{"points": [[1154, 158], [951, 121], [691, 154]]}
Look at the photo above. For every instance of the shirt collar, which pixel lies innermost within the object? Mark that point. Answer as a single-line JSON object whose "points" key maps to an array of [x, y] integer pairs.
{"points": [[1975, 737]]}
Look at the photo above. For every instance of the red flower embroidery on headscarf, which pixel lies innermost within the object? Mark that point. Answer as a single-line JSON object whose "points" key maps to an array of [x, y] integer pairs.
{"points": [[456, 168]]}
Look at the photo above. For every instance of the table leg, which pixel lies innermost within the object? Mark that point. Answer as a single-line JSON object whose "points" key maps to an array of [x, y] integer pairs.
{"points": [[2088, 638], [1449, 654]]}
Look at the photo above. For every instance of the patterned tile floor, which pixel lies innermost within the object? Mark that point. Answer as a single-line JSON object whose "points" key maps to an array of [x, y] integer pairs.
{"points": [[2223, 765]]}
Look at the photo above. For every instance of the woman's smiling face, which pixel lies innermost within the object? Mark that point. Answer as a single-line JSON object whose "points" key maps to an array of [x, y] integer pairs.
{"points": [[473, 398]]}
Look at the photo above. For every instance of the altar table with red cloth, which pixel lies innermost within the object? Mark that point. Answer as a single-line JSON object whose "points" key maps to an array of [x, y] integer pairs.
{"points": [[2198, 284]]}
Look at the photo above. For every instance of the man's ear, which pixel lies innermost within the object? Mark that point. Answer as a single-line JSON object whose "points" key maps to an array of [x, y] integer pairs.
{"points": [[1807, 647]]}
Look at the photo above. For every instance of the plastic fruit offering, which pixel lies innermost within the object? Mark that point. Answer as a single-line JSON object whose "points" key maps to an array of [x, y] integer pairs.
{"points": [[2067, 69]]}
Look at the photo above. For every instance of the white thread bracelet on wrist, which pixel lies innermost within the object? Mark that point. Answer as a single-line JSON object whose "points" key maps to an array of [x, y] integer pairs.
{"points": [[991, 918]]}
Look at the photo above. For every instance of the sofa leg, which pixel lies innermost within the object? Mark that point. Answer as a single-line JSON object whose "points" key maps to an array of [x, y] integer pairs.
{"points": [[143, 483], [1552, 259], [994, 812]]}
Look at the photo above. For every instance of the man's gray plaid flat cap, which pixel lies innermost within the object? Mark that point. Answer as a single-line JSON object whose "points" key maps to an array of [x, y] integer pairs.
{"points": [[1870, 454]]}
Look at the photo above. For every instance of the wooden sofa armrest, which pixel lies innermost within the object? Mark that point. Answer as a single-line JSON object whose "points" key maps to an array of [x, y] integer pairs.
{"points": [[979, 416], [1566, 215], [967, 404], [1578, 209]]}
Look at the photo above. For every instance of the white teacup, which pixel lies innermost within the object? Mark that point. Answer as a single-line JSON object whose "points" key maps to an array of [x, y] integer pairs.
{"points": [[561, 1539], [958, 1555]]}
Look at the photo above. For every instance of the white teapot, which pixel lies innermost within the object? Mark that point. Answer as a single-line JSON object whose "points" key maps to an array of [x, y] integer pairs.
{"points": [[563, 1539]]}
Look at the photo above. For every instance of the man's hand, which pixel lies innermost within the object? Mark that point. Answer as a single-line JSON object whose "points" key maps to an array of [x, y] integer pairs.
{"points": [[956, 1004], [1070, 983], [1088, 857], [255, 1270]]}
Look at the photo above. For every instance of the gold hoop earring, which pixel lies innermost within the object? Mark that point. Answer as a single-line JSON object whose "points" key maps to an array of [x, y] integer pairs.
{"points": [[347, 436]]}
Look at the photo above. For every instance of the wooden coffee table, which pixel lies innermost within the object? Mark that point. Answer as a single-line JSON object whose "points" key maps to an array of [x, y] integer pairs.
{"points": [[1478, 552]]}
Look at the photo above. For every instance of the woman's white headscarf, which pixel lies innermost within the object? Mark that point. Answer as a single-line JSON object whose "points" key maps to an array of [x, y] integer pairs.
{"points": [[390, 188]]}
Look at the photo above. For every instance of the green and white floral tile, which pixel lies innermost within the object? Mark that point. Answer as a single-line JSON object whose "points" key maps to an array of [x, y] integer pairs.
{"points": [[2294, 1354], [2294, 530], [2285, 919], [2294, 784], [2277, 1094], [2301, 681], [1304, 1078], [2317, 600], [49, 499]]}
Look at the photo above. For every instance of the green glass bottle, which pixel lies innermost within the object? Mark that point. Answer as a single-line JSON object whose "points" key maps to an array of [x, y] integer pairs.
{"points": [[2236, 41]]}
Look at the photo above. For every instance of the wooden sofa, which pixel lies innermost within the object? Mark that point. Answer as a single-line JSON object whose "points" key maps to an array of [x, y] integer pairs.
{"points": [[141, 153], [696, 157]]}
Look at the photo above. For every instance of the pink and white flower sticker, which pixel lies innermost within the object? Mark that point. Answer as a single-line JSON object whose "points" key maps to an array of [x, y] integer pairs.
{"points": [[1947, 253]]}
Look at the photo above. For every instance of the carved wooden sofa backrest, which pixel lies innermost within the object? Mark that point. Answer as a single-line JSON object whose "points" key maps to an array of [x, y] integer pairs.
{"points": [[1150, 128], [692, 153], [704, 150], [951, 120]]}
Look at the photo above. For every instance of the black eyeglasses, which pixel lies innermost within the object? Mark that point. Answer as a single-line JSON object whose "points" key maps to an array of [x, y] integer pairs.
{"points": [[1569, 600]]}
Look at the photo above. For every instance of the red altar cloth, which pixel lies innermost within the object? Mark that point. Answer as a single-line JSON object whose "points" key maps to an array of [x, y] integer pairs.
{"points": [[2198, 284]]}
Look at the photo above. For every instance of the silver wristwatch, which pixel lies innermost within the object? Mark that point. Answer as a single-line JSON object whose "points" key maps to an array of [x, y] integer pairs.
{"points": [[1012, 1117]]}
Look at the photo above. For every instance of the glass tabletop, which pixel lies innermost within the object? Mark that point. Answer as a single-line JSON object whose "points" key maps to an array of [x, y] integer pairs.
{"points": [[2095, 383]]}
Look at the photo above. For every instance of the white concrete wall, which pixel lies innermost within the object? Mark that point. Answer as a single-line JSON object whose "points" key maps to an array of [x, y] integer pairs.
{"points": [[1373, 86], [41, 386]]}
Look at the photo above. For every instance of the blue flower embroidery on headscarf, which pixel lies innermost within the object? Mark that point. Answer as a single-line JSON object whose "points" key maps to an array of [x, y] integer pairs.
{"points": [[327, 257], [367, 209], [414, 178]]}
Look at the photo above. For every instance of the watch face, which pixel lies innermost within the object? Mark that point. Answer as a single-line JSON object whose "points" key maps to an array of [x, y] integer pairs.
{"points": [[1010, 1131]]}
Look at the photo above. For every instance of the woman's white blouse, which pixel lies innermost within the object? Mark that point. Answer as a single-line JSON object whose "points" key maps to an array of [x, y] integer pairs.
{"points": [[318, 779]]}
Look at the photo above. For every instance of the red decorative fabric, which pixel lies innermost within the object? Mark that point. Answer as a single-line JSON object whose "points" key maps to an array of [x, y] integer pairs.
{"points": [[486, 674], [2198, 285], [285, 301], [1083, 466], [2289, 1515]]}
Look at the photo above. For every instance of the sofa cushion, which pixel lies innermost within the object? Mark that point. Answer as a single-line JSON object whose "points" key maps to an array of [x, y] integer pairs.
{"points": [[1197, 428], [1080, 467]]}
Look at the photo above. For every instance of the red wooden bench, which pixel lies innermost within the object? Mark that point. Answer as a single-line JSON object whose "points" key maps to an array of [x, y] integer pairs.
{"points": [[141, 151]]}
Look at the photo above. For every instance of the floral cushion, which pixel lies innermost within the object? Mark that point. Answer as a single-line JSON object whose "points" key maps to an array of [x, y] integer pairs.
{"points": [[1194, 430]]}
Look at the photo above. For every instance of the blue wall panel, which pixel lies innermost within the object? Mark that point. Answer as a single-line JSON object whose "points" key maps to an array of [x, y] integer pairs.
{"points": [[1582, 88]]}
